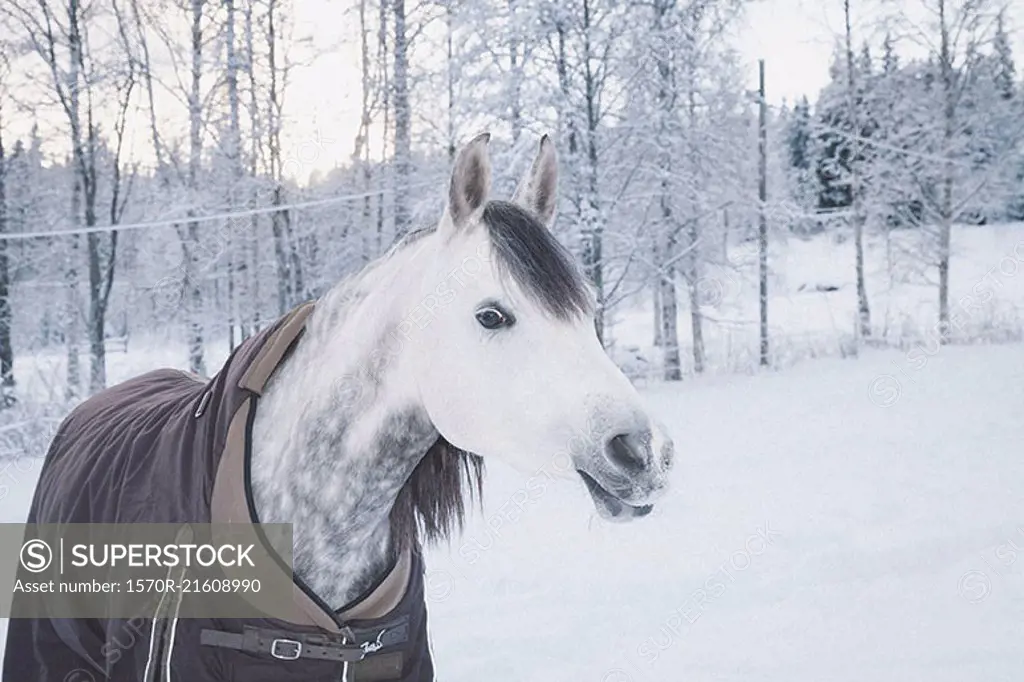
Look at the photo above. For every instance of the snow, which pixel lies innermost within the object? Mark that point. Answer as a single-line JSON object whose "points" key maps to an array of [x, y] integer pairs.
{"points": [[877, 519], [986, 299], [836, 535]]}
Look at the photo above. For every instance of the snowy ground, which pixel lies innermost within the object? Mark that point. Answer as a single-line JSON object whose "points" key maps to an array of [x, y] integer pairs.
{"points": [[812, 298], [891, 522], [839, 520]]}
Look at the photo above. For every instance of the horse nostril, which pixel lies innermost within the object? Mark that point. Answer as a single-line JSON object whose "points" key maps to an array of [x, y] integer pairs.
{"points": [[629, 451]]}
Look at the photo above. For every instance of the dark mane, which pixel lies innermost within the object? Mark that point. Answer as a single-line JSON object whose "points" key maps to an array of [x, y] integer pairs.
{"points": [[528, 252], [432, 503]]}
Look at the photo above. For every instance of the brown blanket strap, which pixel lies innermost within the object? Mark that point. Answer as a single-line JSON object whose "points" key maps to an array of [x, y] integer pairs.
{"points": [[283, 646]]}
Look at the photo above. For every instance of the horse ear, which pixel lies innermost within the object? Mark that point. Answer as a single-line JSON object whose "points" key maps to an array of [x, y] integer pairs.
{"points": [[538, 190], [471, 181]]}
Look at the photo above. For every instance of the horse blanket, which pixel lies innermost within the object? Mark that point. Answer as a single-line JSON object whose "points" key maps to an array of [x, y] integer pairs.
{"points": [[171, 447]]}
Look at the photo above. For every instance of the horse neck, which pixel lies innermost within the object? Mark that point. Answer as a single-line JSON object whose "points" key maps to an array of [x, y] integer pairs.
{"points": [[336, 436]]}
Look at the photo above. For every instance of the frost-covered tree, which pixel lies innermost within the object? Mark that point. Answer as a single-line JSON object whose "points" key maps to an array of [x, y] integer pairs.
{"points": [[81, 67], [1005, 75], [6, 318]]}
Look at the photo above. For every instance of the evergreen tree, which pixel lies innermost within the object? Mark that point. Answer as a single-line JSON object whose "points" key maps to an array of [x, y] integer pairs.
{"points": [[798, 135], [890, 60], [1010, 111], [832, 144], [839, 143], [1006, 73]]}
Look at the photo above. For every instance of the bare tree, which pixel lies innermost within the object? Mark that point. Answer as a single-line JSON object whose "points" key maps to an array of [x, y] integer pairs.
{"points": [[949, 78], [595, 57], [666, 313], [289, 276], [952, 126], [516, 68], [255, 150], [6, 350], [57, 33], [858, 217], [403, 118], [450, 74], [559, 20], [190, 238], [691, 30], [384, 53], [361, 152], [233, 152]]}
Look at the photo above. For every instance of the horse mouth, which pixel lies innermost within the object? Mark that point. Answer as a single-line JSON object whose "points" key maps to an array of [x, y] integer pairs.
{"points": [[610, 506]]}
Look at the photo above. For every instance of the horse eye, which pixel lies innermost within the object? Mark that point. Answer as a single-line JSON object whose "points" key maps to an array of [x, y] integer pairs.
{"points": [[493, 318]]}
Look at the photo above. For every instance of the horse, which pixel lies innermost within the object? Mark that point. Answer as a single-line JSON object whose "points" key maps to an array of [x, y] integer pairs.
{"points": [[364, 420]]}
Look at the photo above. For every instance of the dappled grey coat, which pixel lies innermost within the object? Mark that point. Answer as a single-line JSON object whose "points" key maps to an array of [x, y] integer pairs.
{"points": [[170, 447]]}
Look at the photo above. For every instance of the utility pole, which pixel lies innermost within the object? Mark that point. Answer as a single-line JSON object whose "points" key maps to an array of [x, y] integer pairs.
{"points": [[762, 195]]}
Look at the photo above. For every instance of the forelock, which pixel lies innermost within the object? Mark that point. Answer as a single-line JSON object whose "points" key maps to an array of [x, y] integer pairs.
{"points": [[527, 251]]}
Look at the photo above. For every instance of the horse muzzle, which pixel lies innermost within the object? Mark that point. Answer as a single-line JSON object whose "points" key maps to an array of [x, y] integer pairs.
{"points": [[630, 472]]}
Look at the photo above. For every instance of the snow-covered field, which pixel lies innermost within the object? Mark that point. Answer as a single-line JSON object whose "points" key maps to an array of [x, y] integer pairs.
{"points": [[817, 531], [812, 299], [820, 529]]}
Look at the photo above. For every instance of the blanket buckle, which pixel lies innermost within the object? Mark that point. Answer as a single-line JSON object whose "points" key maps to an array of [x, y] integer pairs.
{"points": [[286, 649]]}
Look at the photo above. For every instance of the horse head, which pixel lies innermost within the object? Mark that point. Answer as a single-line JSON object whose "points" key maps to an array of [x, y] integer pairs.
{"points": [[510, 365]]}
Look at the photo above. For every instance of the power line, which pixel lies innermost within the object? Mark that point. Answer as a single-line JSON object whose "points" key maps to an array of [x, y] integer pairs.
{"points": [[815, 126], [202, 218]]}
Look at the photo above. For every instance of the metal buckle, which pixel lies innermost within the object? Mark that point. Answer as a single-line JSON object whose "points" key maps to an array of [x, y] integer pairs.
{"points": [[289, 655]]}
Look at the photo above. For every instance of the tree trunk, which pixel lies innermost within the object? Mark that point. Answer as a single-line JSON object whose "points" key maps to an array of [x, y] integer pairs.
{"points": [[672, 364], [294, 252], [234, 153], [666, 314], [656, 299], [97, 300], [946, 207], [72, 322], [762, 220], [593, 221], [856, 191], [382, 60], [403, 121], [515, 74], [97, 314], [6, 350], [286, 292], [693, 274], [72, 317], [696, 317], [280, 254], [567, 121], [83, 203], [194, 292], [361, 153], [252, 271], [450, 30]]}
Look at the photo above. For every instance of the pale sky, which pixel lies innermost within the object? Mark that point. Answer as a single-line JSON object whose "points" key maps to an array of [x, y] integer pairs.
{"points": [[795, 37]]}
